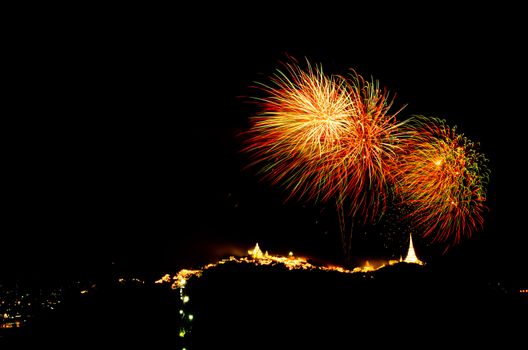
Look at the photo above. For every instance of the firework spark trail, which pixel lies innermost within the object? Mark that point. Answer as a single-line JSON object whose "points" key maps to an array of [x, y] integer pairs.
{"points": [[362, 164], [303, 118], [442, 176]]}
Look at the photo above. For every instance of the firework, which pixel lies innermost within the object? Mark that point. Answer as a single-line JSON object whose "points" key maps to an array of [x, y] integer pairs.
{"points": [[301, 121], [361, 165], [324, 137], [443, 178], [327, 137]]}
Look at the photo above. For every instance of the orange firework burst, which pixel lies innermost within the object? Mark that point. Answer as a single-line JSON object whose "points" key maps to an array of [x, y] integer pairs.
{"points": [[443, 178], [303, 118], [325, 137], [360, 167]]}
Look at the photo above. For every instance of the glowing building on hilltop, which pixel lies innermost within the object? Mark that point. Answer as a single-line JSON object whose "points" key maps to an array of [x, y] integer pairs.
{"points": [[256, 253], [411, 257]]}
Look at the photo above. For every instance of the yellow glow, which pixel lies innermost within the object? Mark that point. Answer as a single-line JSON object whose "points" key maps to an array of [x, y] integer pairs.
{"points": [[367, 267], [165, 278], [84, 291], [191, 317], [182, 276], [438, 162], [182, 333], [14, 324], [291, 262], [255, 256], [186, 299], [256, 253]]}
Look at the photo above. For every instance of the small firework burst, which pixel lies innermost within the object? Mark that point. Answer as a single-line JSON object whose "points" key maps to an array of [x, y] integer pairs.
{"points": [[443, 177]]}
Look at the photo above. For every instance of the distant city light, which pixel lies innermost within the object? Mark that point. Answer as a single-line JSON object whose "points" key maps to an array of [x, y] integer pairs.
{"points": [[19, 305]]}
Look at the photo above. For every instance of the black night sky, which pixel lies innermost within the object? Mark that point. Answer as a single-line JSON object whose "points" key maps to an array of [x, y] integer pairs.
{"points": [[121, 144]]}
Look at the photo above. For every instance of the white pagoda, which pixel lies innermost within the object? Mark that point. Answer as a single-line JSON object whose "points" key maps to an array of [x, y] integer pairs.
{"points": [[411, 257]]}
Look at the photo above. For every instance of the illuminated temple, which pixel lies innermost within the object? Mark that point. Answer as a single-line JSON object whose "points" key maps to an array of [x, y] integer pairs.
{"points": [[257, 257], [411, 257]]}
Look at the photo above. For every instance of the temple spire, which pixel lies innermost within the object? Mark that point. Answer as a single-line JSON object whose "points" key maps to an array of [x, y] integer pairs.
{"points": [[411, 257], [256, 253]]}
